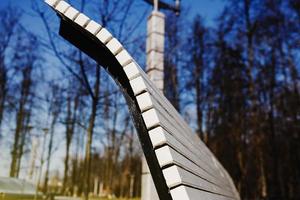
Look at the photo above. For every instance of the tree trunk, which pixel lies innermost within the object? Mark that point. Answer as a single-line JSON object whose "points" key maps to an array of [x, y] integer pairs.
{"points": [[50, 145], [25, 90], [90, 132]]}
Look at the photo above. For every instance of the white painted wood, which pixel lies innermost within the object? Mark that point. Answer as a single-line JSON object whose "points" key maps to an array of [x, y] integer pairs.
{"points": [[155, 104], [156, 93], [175, 176], [169, 125], [197, 155], [144, 101], [180, 193], [138, 85], [114, 46], [174, 157], [166, 122], [123, 58], [146, 106], [131, 70], [62, 6], [188, 193], [93, 27], [161, 99], [172, 176], [151, 118], [72, 13], [52, 3], [159, 137], [164, 156], [82, 20], [104, 36], [165, 105]]}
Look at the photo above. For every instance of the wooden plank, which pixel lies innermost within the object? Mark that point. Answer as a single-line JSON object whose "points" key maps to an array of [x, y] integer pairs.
{"points": [[114, 46], [52, 3], [131, 71], [185, 160], [148, 104], [176, 176], [93, 27], [188, 193], [104, 35], [167, 156], [165, 105], [153, 118], [145, 101], [208, 160], [138, 85], [71, 13], [179, 120], [82, 20], [62, 6], [124, 58], [156, 104], [186, 163], [172, 114]]}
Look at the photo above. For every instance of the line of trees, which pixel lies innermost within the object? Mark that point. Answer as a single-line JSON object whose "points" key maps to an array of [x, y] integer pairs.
{"points": [[236, 83], [240, 91]]}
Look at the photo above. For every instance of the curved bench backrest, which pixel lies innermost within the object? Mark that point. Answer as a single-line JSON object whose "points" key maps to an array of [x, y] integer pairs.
{"points": [[181, 165]]}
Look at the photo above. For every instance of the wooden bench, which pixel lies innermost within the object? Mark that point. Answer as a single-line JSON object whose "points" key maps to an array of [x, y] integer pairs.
{"points": [[181, 165]]}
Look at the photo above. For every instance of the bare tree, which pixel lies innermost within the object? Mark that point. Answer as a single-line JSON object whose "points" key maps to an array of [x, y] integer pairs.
{"points": [[9, 19], [55, 107], [25, 61]]}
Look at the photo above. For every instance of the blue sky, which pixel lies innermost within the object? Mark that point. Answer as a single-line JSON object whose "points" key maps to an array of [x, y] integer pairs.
{"points": [[208, 9]]}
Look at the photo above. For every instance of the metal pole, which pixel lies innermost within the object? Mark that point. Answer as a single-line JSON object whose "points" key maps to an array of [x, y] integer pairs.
{"points": [[155, 3]]}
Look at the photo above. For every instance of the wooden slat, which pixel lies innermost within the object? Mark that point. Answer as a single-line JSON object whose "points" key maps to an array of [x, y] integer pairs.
{"points": [[188, 193], [62, 6], [153, 118], [131, 71], [176, 176], [155, 94], [114, 46], [104, 36], [138, 85], [52, 3], [93, 27], [124, 58], [178, 158], [82, 20], [164, 105], [71, 13]]}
